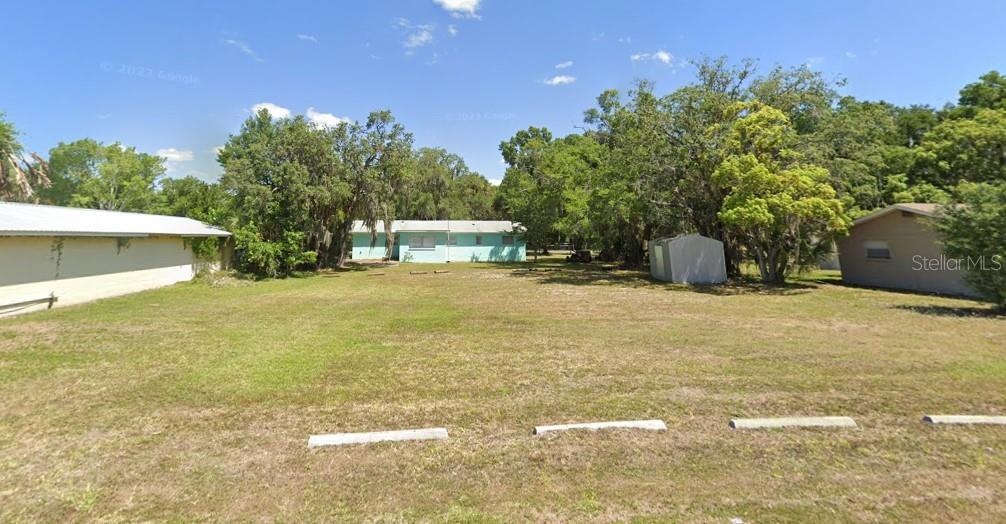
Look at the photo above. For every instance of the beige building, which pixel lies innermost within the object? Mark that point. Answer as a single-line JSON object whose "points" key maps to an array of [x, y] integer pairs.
{"points": [[896, 247], [55, 256]]}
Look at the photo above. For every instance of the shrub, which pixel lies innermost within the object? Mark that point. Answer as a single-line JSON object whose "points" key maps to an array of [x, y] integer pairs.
{"points": [[974, 230], [264, 258]]}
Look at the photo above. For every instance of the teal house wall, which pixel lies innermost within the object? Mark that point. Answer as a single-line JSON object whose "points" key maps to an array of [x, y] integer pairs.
{"points": [[363, 251], [462, 247]]}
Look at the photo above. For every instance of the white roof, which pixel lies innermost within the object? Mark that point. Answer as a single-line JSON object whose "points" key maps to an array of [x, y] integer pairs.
{"points": [[48, 221], [454, 226]]}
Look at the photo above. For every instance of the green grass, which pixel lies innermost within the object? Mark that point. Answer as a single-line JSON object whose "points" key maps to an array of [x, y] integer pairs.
{"points": [[194, 402]]}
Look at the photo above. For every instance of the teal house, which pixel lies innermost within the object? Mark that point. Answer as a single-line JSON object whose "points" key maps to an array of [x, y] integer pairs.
{"points": [[439, 241]]}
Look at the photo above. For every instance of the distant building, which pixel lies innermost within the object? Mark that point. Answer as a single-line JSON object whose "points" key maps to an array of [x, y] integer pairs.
{"points": [[896, 247], [56, 256], [443, 241], [688, 259]]}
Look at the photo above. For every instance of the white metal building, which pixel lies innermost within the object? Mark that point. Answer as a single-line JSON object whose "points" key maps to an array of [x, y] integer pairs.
{"points": [[688, 259], [56, 256]]}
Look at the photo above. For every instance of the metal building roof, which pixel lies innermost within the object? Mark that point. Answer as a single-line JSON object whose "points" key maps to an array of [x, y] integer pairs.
{"points": [[454, 226], [35, 220]]}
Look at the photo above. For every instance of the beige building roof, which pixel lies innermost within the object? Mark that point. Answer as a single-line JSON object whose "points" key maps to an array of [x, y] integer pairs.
{"points": [[927, 210]]}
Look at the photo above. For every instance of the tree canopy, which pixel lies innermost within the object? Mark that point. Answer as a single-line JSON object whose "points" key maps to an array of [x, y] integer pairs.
{"points": [[771, 163], [87, 173], [784, 210], [739, 156], [974, 232]]}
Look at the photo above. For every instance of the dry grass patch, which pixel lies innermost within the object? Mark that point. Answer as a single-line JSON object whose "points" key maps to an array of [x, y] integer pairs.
{"points": [[195, 402]]}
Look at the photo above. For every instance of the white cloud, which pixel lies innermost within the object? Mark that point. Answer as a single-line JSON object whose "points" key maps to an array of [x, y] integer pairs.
{"points": [[418, 36], [814, 60], [564, 65], [175, 155], [495, 181], [461, 8], [422, 36], [274, 110], [559, 80], [625, 40], [244, 48], [307, 38], [452, 30], [660, 56], [325, 119], [850, 54]]}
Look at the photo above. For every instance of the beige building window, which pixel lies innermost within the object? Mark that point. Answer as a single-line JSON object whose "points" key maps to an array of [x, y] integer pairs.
{"points": [[877, 250]]}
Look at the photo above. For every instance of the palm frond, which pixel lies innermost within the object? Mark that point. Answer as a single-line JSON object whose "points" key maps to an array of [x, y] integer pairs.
{"points": [[20, 179]]}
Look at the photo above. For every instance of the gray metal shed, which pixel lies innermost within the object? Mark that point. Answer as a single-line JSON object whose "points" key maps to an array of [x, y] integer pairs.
{"points": [[688, 259]]}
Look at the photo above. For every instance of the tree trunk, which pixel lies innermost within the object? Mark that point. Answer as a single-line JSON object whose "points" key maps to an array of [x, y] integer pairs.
{"points": [[772, 264], [389, 239], [634, 251], [731, 256], [762, 267], [344, 233]]}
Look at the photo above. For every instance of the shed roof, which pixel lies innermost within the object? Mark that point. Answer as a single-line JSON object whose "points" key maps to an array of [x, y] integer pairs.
{"points": [[454, 226], [665, 240], [36, 220], [926, 210]]}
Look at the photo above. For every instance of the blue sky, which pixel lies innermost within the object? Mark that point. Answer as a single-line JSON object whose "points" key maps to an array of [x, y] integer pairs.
{"points": [[179, 77]]}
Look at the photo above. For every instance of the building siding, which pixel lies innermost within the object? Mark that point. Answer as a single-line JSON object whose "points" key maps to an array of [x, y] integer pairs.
{"points": [[909, 237], [82, 269], [464, 250], [362, 250]]}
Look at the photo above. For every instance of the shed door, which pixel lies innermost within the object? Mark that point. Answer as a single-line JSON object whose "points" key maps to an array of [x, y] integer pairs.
{"points": [[659, 271]]}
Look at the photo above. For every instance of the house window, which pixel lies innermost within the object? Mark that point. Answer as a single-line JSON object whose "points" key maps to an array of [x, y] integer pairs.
{"points": [[452, 241], [478, 240], [877, 250], [507, 240], [422, 242]]}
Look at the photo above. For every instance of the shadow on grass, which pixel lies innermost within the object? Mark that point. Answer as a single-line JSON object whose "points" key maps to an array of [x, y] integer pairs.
{"points": [[576, 274], [954, 311], [989, 311], [353, 267]]}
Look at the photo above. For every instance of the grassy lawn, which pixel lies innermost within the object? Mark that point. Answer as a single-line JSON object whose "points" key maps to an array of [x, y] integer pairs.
{"points": [[195, 402]]}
